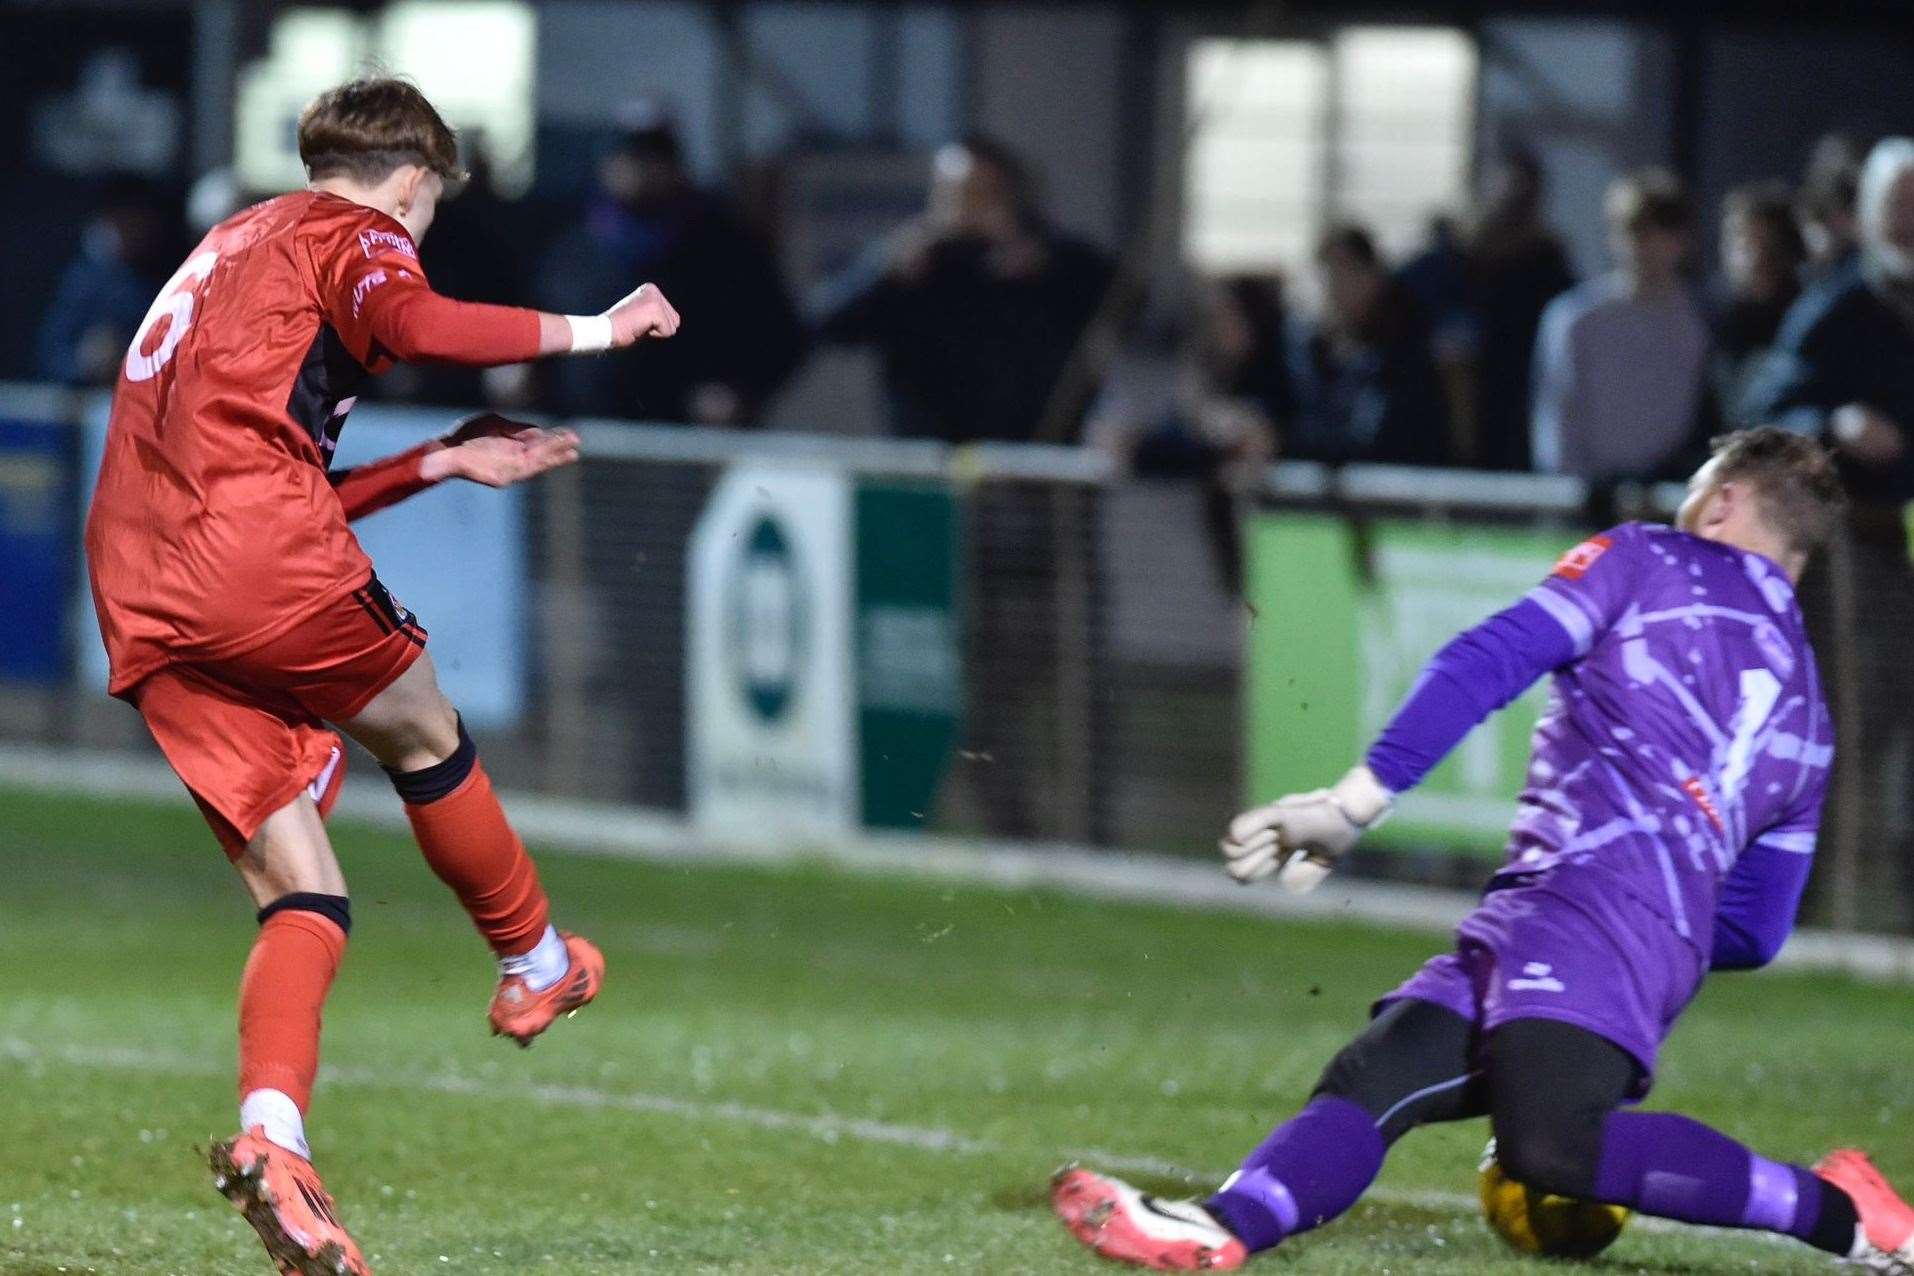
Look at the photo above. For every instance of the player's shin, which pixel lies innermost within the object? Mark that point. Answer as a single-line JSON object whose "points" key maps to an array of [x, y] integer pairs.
{"points": [[1673, 1167], [281, 998], [462, 830], [1310, 1169]]}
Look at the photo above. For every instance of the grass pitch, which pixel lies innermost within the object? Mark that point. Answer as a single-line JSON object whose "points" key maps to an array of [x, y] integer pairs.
{"points": [[790, 1071]]}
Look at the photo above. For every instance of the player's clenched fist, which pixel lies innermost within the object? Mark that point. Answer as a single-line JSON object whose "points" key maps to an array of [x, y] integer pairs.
{"points": [[1303, 834], [642, 313]]}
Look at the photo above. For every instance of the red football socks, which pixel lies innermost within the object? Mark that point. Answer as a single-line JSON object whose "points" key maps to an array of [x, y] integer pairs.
{"points": [[469, 844], [281, 996]]}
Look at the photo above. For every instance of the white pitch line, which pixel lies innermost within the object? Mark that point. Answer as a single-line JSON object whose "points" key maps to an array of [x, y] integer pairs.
{"points": [[826, 1128]]}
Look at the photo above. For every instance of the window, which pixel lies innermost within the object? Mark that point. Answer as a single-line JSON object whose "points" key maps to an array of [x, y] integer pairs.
{"points": [[473, 58], [1372, 125]]}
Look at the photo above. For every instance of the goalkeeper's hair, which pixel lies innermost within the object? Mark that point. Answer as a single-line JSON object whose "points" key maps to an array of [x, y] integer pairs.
{"points": [[366, 129], [1794, 478]]}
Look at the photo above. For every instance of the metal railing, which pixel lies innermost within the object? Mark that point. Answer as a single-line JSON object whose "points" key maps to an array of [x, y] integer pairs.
{"points": [[1109, 669]]}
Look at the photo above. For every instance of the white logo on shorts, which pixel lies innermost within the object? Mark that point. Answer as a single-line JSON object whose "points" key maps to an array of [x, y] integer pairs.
{"points": [[1537, 978], [323, 781]]}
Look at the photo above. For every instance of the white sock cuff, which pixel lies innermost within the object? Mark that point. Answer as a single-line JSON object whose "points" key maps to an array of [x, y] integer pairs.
{"points": [[544, 965], [274, 1112]]}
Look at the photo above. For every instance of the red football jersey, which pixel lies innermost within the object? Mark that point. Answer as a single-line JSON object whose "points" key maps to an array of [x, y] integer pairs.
{"points": [[213, 527]]}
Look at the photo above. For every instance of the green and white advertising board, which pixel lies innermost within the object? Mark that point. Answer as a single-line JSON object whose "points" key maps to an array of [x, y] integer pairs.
{"points": [[909, 675], [825, 677], [769, 715], [1345, 616]]}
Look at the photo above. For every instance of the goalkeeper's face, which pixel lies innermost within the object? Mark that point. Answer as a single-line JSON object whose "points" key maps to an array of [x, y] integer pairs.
{"points": [[1730, 510], [1697, 508]]}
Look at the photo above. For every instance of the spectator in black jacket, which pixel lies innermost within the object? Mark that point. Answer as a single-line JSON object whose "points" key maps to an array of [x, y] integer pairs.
{"points": [[1364, 381], [1517, 265], [648, 220], [1843, 370], [105, 290], [1218, 423], [1825, 206], [976, 307], [1843, 366], [1762, 258]]}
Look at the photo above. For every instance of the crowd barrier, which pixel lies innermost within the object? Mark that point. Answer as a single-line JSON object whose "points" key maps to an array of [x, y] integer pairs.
{"points": [[823, 634]]}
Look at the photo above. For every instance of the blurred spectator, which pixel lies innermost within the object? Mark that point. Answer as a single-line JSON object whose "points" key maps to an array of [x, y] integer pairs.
{"points": [[1843, 366], [104, 292], [1438, 279], [1762, 258], [1843, 369], [648, 221], [1825, 206], [1621, 360], [472, 254], [214, 196], [1517, 266], [1438, 276], [1365, 385], [1231, 393], [975, 308]]}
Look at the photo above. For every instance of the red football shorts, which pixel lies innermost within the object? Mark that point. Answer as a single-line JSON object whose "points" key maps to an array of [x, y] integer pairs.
{"points": [[247, 733]]}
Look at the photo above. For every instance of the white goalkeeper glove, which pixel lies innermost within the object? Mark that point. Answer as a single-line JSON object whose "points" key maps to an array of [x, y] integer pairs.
{"points": [[1298, 837]]}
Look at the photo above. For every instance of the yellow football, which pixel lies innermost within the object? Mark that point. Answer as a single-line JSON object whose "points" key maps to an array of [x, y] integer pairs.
{"points": [[1538, 1223]]}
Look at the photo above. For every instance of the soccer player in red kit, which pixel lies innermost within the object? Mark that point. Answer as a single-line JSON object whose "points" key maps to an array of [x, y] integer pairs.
{"points": [[241, 616]]}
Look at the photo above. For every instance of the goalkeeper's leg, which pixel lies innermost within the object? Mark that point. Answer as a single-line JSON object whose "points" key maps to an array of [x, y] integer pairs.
{"points": [[1410, 1067], [1555, 1093]]}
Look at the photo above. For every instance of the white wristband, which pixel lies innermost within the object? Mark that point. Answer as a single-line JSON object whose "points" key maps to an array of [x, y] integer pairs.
{"points": [[590, 333]]}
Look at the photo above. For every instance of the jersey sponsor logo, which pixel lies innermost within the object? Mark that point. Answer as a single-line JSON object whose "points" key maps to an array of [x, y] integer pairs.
{"points": [[1575, 564], [1693, 788], [363, 289], [1537, 976], [374, 242]]}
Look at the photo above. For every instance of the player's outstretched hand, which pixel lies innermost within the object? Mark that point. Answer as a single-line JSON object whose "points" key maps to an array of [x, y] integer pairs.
{"points": [[498, 452], [1298, 837], [482, 425], [643, 313]]}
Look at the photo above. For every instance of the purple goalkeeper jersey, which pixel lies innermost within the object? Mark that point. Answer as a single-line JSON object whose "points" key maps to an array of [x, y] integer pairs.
{"points": [[1686, 726]]}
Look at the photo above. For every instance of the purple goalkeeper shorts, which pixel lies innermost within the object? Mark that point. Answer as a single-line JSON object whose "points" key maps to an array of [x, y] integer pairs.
{"points": [[1531, 952]]}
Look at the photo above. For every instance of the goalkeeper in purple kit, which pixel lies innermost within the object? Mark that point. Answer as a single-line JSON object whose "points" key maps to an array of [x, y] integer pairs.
{"points": [[1666, 830]]}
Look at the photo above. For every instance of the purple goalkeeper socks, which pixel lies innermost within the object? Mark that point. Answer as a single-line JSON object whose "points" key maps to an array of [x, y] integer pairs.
{"points": [[1672, 1167], [1310, 1169]]}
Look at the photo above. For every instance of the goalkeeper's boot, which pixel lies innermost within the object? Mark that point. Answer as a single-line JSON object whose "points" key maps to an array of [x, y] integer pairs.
{"points": [[521, 1014], [1119, 1222], [1886, 1243], [281, 1196]]}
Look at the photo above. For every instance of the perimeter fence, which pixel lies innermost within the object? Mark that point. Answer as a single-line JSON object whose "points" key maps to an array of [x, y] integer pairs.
{"points": [[824, 635]]}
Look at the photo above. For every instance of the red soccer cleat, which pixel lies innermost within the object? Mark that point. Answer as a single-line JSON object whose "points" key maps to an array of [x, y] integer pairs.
{"points": [[1887, 1221], [281, 1196], [1119, 1222], [521, 1014]]}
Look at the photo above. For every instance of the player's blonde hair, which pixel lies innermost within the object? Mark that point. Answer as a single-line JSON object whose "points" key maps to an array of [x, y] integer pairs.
{"points": [[1794, 478], [367, 128]]}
